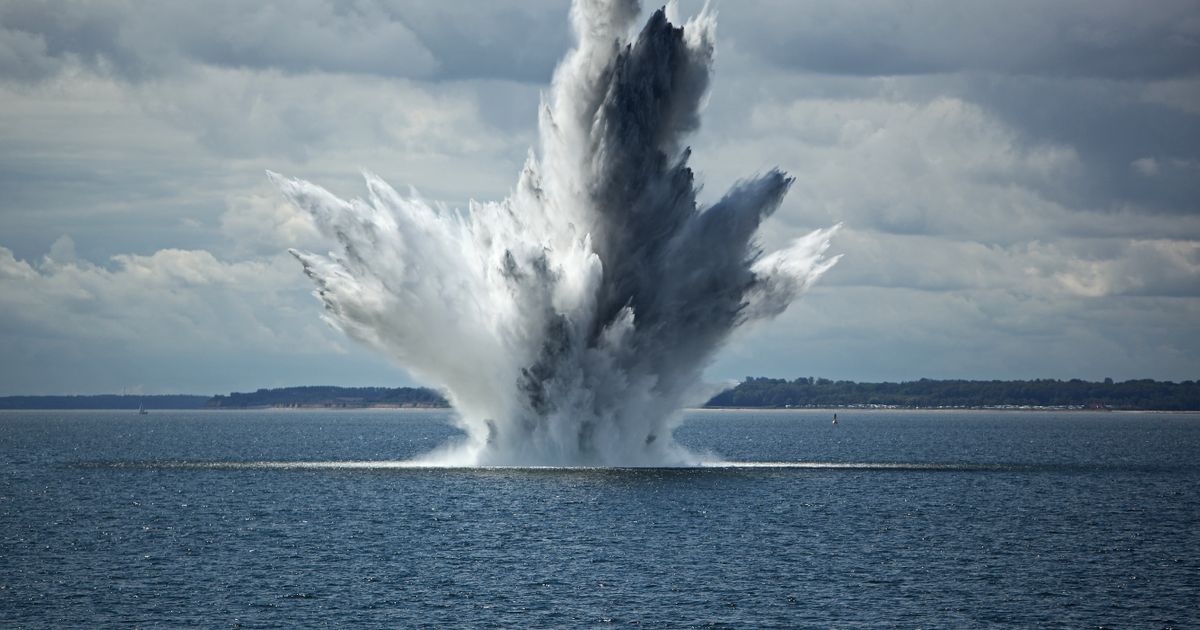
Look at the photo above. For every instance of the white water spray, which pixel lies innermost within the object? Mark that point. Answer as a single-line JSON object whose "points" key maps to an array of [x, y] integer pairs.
{"points": [[569, 324]]}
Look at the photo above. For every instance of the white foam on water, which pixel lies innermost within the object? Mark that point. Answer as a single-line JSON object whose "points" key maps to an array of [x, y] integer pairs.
{"points": [[436, 465]]}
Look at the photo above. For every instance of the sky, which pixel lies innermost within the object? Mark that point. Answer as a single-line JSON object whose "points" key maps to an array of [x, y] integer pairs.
{"points": [[1019, 182]]}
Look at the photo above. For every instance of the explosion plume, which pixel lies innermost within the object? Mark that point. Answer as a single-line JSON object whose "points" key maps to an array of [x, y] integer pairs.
{"points": [[570, 323]]}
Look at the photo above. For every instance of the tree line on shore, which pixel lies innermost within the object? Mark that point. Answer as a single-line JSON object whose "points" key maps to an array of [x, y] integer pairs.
{"points": [[1144, 394], [327, 396]]}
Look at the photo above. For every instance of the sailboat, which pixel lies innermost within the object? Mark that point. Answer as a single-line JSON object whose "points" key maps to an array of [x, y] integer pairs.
{"points": [[142, 410], [835, 418]]}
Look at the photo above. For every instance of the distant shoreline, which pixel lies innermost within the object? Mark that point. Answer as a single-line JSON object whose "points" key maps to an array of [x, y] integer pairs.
{"points": [[848, 411], [942, 409], [754, 393]]}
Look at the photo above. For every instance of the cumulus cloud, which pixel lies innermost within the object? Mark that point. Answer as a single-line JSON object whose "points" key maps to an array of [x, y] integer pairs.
{"points": [[263, 224], [1054, 269], [186, 298], [873, 333], [242, 113], [943, 166], [184, 307], [117, 164]]}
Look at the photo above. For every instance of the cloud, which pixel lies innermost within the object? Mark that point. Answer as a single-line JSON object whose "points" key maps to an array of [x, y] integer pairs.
{"points": [[520, 41], [1080, 38], [1056, 269], [973, 246], [139, 42], [1113, 81], [23, 56], [1163, 268], [1179, 94], [264, 223], [943, 166], [1018, 182], [172, 321], [242, 113], [1109, 124], [136, 167], [871, 333], [184, 298]]}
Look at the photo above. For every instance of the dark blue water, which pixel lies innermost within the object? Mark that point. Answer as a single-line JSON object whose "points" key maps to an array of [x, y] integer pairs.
{"points": [[1022, 520]]}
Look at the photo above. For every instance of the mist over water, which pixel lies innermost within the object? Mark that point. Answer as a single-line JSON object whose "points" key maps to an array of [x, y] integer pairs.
{"points": [[570, 323]]}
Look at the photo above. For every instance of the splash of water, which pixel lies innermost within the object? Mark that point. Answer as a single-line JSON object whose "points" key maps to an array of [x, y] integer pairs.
{"points": [[569, 323]]}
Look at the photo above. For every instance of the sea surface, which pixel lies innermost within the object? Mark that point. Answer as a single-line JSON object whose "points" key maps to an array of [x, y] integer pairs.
{"points": [[886, 520]]}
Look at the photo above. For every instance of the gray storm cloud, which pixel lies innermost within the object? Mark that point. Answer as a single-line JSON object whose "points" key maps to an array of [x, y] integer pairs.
{"points": [[570, 322]]}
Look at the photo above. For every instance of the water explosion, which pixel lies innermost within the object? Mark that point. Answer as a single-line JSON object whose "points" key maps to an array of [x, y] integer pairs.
{"points": [[569, 323]]}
